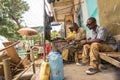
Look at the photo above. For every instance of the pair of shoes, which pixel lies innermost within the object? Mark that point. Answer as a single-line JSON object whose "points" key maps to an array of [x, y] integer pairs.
{"points": [[78, 64], [91, 71]]}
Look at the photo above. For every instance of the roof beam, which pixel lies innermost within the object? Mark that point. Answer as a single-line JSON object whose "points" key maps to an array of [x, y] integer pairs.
{"points": [[60, 20], [65, 6], [64, 3], [54, 13]]}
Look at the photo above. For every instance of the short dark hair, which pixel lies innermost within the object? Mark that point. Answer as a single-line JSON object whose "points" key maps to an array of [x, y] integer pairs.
{"points": [[74, 24], [92, 18]]}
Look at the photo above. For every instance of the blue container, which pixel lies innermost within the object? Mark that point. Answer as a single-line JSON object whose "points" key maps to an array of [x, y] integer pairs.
{"points": [[56, 65]]}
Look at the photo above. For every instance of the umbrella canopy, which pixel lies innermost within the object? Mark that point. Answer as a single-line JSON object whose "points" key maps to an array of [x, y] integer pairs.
{"points": [[27, 31]]}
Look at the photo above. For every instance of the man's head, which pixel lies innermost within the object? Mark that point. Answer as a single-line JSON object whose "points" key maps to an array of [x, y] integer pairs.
{"points": [[91, 23], [71, 28], [75, 26]]}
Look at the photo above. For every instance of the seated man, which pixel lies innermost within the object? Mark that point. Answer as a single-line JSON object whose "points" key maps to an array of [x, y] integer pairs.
{"points": [[75, 45], [71, 34], [93, 45], [69, 39]]}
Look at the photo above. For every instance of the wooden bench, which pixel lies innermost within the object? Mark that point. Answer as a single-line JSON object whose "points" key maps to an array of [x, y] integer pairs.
{"points": [[112, 57]]}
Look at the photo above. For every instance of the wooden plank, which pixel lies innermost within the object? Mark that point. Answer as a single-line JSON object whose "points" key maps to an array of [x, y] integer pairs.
{"points": [[110, 60], [7, 71], [112, 54], [1, 63], [53, 10], [62, 3], [9, 46], [17, 77]]}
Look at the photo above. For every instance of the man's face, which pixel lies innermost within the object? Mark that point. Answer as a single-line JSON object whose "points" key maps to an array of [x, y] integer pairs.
{"points": [[71, 29], [91, 24]]}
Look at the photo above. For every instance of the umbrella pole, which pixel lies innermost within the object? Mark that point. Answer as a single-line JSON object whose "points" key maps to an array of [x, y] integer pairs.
{"points": [[28, 44], [44, 55]]}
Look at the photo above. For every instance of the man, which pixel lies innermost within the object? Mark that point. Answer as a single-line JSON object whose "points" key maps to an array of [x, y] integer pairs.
{"points": [[69, 38], [93, 45], [71, 34], [80, 34], [75, 45]]}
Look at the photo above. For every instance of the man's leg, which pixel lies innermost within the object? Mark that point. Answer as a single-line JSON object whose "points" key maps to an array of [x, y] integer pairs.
{"points": [[85, 53], [76, 57], [72, 51], [94, 56], [65, 53]]}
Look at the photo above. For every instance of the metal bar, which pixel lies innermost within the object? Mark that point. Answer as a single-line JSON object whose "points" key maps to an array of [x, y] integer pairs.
{"points": [[44, 55]]}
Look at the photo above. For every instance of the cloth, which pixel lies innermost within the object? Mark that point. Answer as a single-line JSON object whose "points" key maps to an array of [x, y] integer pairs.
{"points": [[65, 54], [102, 34], [72, 48], [80, 34], [91, 51], [48, 48], [68, 51], [78, 55], [70, 36], [94, 49]]}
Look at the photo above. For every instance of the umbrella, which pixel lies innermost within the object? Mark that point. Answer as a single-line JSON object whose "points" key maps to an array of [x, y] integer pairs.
{"points": [[27, 31]]}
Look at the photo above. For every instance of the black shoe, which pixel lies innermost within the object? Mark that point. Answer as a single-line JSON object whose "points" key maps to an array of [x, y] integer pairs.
{"points": [[91, 71]]}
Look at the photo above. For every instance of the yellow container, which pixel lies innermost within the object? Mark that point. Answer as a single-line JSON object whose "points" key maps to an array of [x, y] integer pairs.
{"points": [[45, 71]]}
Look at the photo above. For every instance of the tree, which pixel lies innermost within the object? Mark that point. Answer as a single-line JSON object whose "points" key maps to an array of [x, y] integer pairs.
{"points": [[11, 17], [13, 9]]}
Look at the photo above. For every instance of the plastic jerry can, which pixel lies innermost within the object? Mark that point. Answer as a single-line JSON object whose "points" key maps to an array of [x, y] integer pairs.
{"points": [[56, 65], [45, 71]]}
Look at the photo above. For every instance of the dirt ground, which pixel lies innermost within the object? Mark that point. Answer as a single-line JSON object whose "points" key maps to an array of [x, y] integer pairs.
{"points": [[74, 72]]}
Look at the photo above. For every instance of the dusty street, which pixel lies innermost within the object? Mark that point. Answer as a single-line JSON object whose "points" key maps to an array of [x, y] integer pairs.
{"points": [[74, 72]]}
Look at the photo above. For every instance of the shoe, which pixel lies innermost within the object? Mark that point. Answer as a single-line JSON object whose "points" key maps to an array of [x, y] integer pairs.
{"points": [[78, 64], [83, 64], [91, 71]]}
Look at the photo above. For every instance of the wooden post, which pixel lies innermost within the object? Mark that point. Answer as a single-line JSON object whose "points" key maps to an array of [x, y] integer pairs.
{"points": [[33, 68], [7, 71], [33, 62]]}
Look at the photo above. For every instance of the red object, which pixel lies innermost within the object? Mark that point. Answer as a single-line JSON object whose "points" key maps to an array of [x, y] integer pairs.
{"points": [[48, 49]]}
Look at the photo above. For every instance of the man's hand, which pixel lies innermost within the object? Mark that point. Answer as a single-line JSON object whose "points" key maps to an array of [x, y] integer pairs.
{"points": [[83, 42]]}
